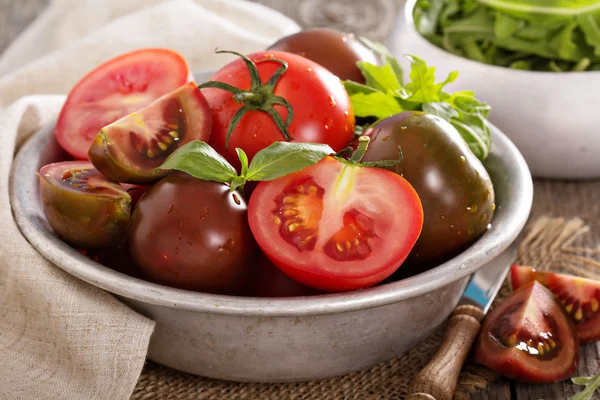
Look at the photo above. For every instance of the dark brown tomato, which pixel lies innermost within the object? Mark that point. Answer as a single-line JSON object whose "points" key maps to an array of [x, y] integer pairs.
{"points": [[82, 206], [269, 281], [454, 187], [334, 50], [193, 234]]}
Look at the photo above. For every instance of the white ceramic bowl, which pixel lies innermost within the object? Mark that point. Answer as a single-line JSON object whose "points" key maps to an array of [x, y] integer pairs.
{"points": [[553, 118]]}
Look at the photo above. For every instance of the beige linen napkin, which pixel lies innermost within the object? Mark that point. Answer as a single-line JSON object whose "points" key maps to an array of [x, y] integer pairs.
{"points": [[61, 338]]}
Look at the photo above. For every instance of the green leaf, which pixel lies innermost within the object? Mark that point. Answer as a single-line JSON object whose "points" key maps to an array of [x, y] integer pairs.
{"points": [[380, 78], [591, 385], [243, 160], [283, 158], [442, 110], [422, 85], [354, 87], [590, 25], [201, 161], [377, 104], [390, 61]]}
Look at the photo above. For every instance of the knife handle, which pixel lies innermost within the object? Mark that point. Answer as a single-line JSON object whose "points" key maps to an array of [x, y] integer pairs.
{"points": [[437, 381]]}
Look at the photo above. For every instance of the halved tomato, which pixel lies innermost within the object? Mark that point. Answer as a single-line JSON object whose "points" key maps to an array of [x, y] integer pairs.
{"points": [[115, 89], [131, 148], [336, 226], [579, 296], [82, 206], [529, 337]]}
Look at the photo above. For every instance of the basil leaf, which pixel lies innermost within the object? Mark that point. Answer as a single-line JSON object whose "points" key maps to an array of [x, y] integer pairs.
{"points": [[283, 158], [591, 385], [201, 161], [243, 160]]}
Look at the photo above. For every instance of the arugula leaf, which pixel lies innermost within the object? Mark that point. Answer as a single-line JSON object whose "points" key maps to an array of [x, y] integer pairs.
{"points": [[591, 384], [380, 78], [384, 96], [376, 104], [520, 34]]}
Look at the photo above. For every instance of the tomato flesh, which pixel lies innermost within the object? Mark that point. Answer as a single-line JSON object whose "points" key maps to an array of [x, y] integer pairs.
{"points": [[322, 109], [579, 296], [131, 148], [335, 226], [115, 89], [529, 337]]}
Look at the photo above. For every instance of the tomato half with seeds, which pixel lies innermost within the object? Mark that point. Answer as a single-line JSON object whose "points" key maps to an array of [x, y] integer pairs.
{"points": [[82, 206], [336, 226], [579, 296], [529, 337], [115, 89], [133, 147]]}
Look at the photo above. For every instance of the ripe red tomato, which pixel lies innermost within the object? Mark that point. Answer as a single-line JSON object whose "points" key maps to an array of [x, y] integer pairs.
{"points": [[529, 337], [115, 89], [336, 226], [579, 296], [322, 112]]}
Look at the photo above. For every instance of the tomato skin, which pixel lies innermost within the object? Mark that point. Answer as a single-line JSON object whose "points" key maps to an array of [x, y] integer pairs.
{"points": [[114, 89], [530, 312], [378, 204], [322, 109], [579, 296]]}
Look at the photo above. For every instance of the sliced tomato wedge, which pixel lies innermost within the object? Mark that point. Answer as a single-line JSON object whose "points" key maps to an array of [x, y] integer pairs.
{"points": [[579, 296], [336, 226], [131, 148], [529, 337], [115, 89]]}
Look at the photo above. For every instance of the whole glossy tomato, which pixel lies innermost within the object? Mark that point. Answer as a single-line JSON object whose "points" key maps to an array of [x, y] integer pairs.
{"points": [[275, 96]]}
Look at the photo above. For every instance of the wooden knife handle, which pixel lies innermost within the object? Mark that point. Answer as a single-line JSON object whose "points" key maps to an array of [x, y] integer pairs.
{"points": [[437, 381]]}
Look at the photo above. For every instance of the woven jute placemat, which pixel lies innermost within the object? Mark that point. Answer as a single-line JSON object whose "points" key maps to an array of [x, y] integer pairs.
{"points": [[547, 246]]}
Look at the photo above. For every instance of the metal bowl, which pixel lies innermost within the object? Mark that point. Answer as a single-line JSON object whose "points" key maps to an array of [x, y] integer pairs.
{"points": [[288, 339]]}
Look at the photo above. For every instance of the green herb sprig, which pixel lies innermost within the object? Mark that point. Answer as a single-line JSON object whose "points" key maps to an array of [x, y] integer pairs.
{"points": [[385, 94], [591, 384], [201, 161]]}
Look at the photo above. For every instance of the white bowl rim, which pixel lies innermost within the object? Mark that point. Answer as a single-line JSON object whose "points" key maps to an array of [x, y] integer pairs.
{"points": [[409, 19]]}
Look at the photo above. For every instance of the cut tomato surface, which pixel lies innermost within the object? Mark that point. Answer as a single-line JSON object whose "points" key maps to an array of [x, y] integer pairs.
{"points": [[529, 337], [131, 148], [115, 89], [579, 296], [335, 226]]}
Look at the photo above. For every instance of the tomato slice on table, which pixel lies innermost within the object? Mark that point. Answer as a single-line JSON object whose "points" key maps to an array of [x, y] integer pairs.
{"points": [[579, 296], [529, 337], [336, 226], [115, 89]]}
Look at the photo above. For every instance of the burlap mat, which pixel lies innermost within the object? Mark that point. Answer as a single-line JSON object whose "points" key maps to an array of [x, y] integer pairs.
{"points": [[547, 245]]}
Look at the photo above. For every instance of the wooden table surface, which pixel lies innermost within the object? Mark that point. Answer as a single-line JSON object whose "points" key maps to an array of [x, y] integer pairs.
{"points": [[375, 19]]}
